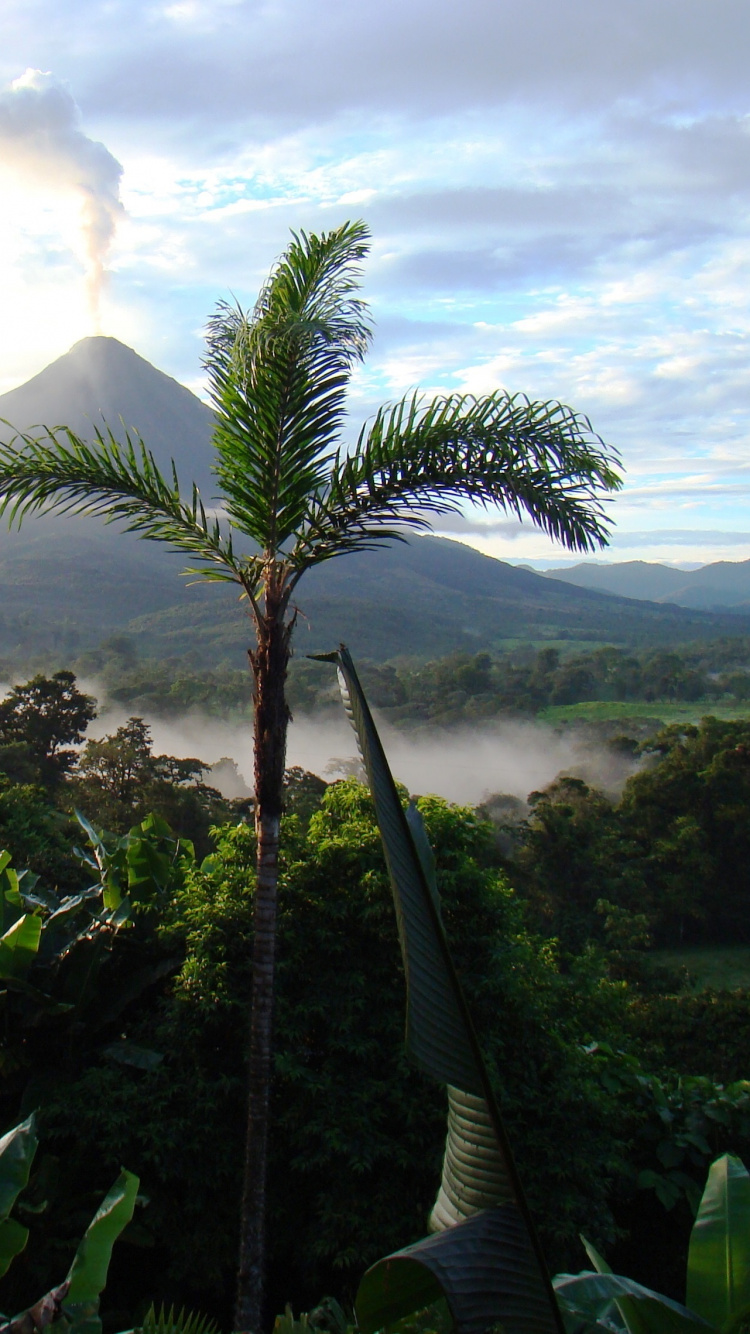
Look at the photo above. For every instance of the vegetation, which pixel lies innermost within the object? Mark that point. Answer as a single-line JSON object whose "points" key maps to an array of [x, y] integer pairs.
{"points": [[718, 1272], [125, 971], [526, 680]]}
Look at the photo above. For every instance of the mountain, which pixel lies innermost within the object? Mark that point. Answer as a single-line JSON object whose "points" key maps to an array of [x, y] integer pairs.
{"points": [[429, 597], [723, 584], [69, 583], [101, 380]]}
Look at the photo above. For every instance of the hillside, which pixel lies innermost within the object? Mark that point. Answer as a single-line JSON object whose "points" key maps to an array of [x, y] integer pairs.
{"points": [[69, 583], [722, 584]]}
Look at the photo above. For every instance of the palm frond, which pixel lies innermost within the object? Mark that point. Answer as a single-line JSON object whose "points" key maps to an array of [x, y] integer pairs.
{"points": [[171, 1321], [420, 459], [278, 378], [63, 474]]}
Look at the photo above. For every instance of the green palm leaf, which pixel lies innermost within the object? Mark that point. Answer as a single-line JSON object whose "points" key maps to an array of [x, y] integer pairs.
{"points": [[279, 380], [489, 1267], [63, 474], [541, 460]]}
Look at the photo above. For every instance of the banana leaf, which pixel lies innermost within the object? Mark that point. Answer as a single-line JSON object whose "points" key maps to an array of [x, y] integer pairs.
{"points": [[13, 1238], [629, 1311], [485, 1268], [88, 1272], [589, 1301], [19, 946], [718, 1281], [17, 1150], [478, 1169], [474, 1175]]}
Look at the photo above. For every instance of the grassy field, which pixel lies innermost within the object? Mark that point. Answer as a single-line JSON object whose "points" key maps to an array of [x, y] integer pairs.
{"points": [[723, 968], [602, 710]]}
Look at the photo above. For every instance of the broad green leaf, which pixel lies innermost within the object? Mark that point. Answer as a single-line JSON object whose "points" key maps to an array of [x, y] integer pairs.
{"points": [[13, 1238], [88, 1272], [630, 1312], [718, 1283], [130, 1053], [438, 1037], [19, 946], [588, 1302], [478, 1168], [474, 1170], [17, 1150], [485, 1268]]}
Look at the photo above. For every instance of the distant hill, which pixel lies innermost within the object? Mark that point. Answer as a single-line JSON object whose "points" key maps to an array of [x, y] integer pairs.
{"points": [[69, 583], [723, 584]]}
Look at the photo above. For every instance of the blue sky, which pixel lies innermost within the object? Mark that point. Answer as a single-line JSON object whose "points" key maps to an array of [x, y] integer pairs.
{"points": [[558, 192]]}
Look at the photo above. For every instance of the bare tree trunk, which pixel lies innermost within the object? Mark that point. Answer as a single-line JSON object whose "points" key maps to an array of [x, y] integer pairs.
{"points": [[269, 664]]}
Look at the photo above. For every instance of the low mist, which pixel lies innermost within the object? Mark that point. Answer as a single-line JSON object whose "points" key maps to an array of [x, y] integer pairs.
{"points": [[463, 764]]}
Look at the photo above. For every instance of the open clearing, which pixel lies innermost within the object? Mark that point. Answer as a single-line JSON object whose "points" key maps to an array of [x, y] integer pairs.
{"points": [[602, 710], [723, 968]]}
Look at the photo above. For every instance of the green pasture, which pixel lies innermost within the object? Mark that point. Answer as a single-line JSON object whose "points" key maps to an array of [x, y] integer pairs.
{"points": [[604, 710], [721, 968]]}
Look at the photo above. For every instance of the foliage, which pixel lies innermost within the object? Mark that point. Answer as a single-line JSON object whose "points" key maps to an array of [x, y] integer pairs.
{"points": [[573, 852], [75, 1302], [707, 1031], [718, 1272], [62, 994], [352, 1122], [45, 716], [686, 813], [481, 1213], [120, 781], [175, 1322]]}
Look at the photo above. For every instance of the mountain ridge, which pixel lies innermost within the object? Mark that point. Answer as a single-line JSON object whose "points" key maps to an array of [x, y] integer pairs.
{"points": [[719, 584], [70, 582]]}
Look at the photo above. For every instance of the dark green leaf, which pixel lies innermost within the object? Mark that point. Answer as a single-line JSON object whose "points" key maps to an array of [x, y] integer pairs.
{"points": [[17, 1150], [588, 1302], [13, 1238], [485, 1269]]}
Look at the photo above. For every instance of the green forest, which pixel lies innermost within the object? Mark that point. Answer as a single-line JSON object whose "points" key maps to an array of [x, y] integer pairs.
{"points": [[126, 1034]]}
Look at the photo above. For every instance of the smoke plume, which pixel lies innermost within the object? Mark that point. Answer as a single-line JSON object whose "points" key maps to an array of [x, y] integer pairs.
{"points": [[41, 138]]}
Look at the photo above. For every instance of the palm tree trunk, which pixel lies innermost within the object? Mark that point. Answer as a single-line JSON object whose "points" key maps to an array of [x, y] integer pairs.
{"points": [[269, 664]]}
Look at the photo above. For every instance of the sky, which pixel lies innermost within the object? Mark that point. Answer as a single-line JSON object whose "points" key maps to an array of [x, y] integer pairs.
{"points": [[558, 193]]}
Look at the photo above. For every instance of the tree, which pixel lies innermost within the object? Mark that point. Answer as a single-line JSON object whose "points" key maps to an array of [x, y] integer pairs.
{"points": [[42, 718], [119, 781], [278, 378]]}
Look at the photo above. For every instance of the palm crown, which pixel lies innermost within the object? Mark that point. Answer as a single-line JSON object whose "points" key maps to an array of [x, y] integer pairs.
{"points": [[278, 379]]}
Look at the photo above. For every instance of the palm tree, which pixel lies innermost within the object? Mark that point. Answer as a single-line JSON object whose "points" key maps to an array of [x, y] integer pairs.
{"points": [[278, 377]]}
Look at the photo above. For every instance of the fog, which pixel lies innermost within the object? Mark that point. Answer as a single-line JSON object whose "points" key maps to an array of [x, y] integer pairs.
{"points": [[463, 764]]}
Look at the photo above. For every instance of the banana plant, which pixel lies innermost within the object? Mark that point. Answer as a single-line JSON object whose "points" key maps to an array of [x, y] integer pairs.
{"points": [[76, 1299], [484, 1257], [717, 1296]]}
